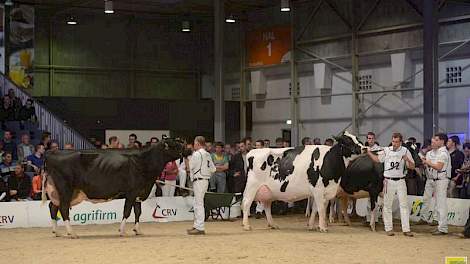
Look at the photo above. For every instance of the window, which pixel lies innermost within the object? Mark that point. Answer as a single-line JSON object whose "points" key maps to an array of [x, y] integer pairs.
{"points": [[365, 82], [454, 74]]}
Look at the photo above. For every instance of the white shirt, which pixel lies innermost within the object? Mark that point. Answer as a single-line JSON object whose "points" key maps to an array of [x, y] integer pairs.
{"points": [[394, 164], [435, 156], [201, 165]]}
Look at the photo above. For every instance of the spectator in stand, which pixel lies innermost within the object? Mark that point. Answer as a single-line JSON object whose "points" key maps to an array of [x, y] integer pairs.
{"points": [[1, 151], [248, 144], [132, 140], [228, 151], [464, 174], [316, 141], [15, 101], [46, 140], [7, 167], [97, 144], [238, 167], [371, 143], [279, 142], [70, 146], [259, 144], [154, 140], [169, 174], [27, 113], [209, 147], [9, 144], [54, 146], [36, 160], [25, 148], [7, 111], [306, 141], [267, 143], [457, 158], [3, 191], [113, 142], [285, 143], [37, 187], [19, 185], [218, 180], [138, 144], [329, 142]]}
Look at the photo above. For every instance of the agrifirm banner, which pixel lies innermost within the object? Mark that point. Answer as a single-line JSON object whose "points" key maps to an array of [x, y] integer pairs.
{"points": [[457, 215], [159, 209]]}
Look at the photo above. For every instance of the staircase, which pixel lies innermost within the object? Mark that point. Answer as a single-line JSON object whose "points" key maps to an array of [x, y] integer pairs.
{"points": [[47, 121]]}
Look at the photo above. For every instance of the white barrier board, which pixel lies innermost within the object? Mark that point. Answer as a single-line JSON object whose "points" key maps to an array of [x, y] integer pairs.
{"points": [[160, 209], [457, 214]]}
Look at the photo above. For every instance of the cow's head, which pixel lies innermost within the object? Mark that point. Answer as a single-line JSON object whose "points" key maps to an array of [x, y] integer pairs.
{"points": [[414, 152], [172, 148], [349, 144]]}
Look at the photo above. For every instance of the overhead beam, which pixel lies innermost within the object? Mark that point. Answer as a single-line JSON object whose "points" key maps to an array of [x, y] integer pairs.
{"points": [[416, 7], [341, 16], [309, 19], [364, 20]]}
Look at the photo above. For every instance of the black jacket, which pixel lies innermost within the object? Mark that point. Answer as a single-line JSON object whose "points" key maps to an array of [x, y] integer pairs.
{"points": [[22, 185], [457, 158], [237, 165]]}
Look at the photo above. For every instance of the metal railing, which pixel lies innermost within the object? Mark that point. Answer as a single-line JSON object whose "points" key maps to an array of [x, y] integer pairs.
{"points": [[47, 121]]}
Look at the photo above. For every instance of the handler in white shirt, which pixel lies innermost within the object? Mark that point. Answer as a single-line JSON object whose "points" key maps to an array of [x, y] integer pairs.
{"points": [[201, 169], [394, 159]]}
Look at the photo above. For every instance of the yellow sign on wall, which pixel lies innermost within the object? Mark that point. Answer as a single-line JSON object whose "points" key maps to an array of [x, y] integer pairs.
{"points": [[269, 46]]}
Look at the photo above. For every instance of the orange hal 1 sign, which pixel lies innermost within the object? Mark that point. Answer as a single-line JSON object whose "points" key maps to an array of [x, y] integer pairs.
{"points": [[268, 46]]}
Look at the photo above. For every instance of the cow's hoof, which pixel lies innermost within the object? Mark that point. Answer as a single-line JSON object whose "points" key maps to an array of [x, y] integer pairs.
{"points": [[323, 230], [137, 232], [312, 228], [372, 228], [247, 228], [273, 226], [56, 234], [72, 236], [332, 219]]}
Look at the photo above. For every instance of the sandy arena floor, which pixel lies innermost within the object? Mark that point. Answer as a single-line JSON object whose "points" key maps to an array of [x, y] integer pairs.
{"points": [[226, 242]]}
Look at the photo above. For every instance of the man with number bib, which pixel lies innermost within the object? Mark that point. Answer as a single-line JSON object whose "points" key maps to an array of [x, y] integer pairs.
{"points": [[394, 159]]}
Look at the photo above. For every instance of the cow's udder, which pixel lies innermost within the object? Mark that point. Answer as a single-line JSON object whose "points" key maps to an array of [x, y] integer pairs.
{"points": [[263, 194]]}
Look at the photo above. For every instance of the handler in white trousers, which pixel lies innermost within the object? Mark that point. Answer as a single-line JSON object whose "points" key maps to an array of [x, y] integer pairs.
{"points": [[201, 169], [438, 172], [394, 159]]}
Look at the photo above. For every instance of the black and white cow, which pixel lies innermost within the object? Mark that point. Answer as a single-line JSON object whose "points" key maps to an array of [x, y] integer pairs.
{"points": [[292, 174], [364, 178], [102, 175]]}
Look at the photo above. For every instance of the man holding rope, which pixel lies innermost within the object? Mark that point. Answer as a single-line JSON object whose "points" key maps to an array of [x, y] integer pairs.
{"points": [[201, 169]]}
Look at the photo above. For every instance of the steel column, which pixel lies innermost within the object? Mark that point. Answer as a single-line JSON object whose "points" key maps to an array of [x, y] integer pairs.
{"points": [[293, 84], [430, 68], [219, 104]]}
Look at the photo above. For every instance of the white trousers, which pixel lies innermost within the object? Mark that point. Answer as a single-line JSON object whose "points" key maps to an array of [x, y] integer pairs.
{"points": [[199, 188], [392, 188], [439, 188], [168, 190], [182, 177]]}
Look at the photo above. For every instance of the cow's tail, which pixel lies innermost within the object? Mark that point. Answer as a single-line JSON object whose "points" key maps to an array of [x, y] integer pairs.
{"points": [[43, 189]]}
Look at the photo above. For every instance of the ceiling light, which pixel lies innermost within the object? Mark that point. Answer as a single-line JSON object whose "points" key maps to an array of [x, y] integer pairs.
{"points": [[108, 7], [8, 2], [289, 122], [71, 20], [185, 26], [230, 19], [285, 6]]}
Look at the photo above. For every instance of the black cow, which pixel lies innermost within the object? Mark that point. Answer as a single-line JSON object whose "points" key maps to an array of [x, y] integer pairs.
{"points": [[364, 178], [102, 175]]}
